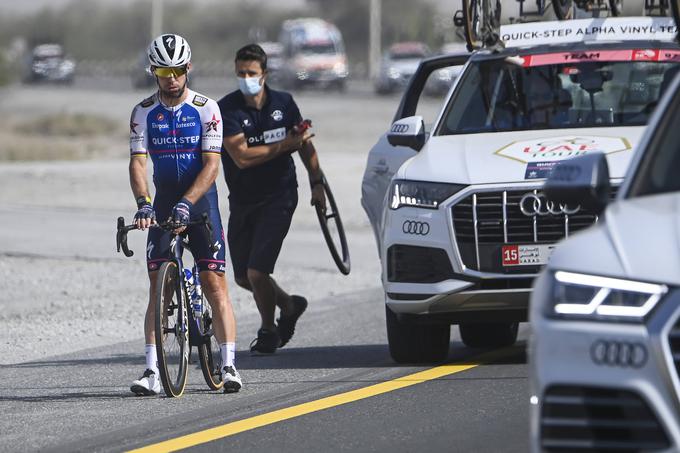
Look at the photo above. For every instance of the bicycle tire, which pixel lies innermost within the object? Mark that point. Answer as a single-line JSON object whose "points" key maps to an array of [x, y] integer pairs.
{"points": [[209, 351], [472, 24], [675, 10], [172, 341], [342, 262], [615, 7], [564, 9]]}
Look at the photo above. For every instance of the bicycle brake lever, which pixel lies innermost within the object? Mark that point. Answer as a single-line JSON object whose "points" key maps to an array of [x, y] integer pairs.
{"points": [[121, 238]]}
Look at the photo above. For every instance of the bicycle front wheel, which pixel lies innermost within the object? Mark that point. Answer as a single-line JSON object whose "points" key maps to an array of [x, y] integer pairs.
{"points": [[564, 9], [473, 23], [616, 7], [209, 351], [172, 336]]}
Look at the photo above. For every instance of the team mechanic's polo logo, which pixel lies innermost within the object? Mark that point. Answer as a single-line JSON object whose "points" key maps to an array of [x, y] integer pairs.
{"points": [[619, 353], [415, 227], [533, 204], [400, 128], [277, 115], [212, 124]]}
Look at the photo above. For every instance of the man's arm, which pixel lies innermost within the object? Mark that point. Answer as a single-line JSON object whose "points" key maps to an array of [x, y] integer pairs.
{"points": [[311, 161], [245, 157], [206, 177], [139, 186]]}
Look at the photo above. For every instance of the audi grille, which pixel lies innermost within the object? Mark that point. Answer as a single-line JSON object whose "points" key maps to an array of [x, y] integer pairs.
{"points": [[485, 221]]}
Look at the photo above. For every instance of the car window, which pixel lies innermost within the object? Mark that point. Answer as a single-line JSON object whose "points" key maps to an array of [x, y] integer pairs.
{"points": [[537, 92], [659, 168]]}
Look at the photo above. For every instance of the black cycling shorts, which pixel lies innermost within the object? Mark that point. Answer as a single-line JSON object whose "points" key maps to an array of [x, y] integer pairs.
{"points": [[256, 231], [158, 240]]}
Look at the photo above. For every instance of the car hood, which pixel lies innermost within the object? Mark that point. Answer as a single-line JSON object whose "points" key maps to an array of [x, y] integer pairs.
{"points": [[639, 240], [505, 157], [318, 62]]}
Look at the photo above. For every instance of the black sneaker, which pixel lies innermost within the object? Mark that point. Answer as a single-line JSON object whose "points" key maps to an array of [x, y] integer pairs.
{"points": [[266, 342], [286, 324]]}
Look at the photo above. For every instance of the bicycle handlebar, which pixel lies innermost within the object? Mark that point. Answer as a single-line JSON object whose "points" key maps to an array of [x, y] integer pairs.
{"points": [[122, 231]]}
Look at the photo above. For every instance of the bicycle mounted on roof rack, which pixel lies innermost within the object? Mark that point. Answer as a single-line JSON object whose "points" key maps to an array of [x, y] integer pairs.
{"points": [[481, 19]]}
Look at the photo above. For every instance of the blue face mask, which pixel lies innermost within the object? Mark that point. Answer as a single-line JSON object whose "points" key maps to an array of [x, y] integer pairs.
{"points": [[249, 86]]}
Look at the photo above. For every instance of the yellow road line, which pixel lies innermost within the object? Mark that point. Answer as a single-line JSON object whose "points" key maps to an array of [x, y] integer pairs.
{"points": [[219, 432]]}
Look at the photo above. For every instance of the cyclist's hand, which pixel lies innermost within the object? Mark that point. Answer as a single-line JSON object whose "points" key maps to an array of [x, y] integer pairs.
{"points": [[145, 216], [181, 214]]}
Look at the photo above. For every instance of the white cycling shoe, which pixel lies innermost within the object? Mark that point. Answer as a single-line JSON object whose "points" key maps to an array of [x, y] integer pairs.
{"points": [[148, 385], [231, 380]]}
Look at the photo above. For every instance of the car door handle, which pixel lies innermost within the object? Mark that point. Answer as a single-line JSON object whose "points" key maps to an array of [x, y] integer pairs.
{"points": [[380, 168]]}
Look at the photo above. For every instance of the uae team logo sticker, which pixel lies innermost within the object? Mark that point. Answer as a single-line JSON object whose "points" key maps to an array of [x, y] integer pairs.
{"points": [[551, 149]]}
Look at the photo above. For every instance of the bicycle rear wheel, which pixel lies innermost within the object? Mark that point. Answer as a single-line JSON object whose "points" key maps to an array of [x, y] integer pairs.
{"points": [[333, 231], [172, 336], [472, 23], [564, 9], [209, 351]]}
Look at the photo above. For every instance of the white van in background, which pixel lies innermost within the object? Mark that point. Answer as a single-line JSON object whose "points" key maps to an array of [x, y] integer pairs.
{"points": [[313, 54]]}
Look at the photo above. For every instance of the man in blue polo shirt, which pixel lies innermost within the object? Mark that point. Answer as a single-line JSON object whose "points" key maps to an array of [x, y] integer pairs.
{"points": [[259, 138]]}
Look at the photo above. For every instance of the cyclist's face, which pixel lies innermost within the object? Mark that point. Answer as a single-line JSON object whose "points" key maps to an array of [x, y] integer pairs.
{"points": [[174, 84]]}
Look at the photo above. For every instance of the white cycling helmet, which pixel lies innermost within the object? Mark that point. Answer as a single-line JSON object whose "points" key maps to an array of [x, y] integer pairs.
{"points": [[169, 51]]}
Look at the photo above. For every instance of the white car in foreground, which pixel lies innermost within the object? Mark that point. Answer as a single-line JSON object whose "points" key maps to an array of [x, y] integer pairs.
{"points": [[460, 220], [605, 312]]}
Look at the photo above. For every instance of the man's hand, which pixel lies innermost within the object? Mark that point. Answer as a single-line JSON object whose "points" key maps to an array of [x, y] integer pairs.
{"points": [[181, 213], [319, 196], [145, 216]]}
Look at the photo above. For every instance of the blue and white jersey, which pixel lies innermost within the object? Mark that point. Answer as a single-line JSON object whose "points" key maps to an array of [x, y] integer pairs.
{"points": [[175, 138]]}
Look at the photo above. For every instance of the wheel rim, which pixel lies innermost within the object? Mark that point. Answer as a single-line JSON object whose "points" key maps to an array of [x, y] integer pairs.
{"points": [[333, 231], [211, 357]]}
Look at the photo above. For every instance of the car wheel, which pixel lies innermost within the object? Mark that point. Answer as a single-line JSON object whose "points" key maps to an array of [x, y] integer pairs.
{"points": [[413, 343], [489, 334]]}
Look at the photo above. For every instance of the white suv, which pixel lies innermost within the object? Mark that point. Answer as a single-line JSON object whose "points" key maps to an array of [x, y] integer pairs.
{"points": [[605, 312], [460, 220]]}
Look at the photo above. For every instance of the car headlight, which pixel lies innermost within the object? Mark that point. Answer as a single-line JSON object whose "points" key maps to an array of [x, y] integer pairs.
{"points": [[419, 194], [393, 73], [592, 297]]}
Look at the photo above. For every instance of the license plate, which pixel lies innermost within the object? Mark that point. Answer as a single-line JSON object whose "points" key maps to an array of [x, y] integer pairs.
{"points": [[526, 255]]}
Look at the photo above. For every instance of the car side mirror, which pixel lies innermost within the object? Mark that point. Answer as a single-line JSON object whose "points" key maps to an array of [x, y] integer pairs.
{"points": [[582, 180], [409, 132]]}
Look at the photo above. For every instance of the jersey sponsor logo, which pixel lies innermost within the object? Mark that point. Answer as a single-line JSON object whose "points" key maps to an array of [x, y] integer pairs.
{"points": [[274, 135], [133, 125], [160, 126], [160, 117], [188, 118], [199, 100], [277, 115], [147, 102], [190, 140], [212, 124], [181, 125], [246, 122], [254, 140]]}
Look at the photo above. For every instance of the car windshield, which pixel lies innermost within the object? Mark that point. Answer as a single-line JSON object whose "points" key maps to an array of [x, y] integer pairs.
{"points": [[558, 90], [318, 48]]}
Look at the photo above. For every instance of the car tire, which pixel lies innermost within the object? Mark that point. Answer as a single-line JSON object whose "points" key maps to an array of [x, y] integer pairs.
{"points": [[489, 334], [414, 343]]}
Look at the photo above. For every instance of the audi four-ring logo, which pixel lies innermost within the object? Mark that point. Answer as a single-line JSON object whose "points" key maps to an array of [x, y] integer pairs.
{"points": [[400, 128], [415, 227], [619, 353], [533, 204]]}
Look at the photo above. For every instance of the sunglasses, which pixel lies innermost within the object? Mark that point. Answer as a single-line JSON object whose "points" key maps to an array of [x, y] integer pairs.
{"points": [[170, 72]]}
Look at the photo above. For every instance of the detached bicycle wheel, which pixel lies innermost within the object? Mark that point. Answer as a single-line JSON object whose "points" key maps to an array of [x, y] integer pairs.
{"points": [[172, 336], [564, 9], [209, 351], [472, 23], [333, 231]]}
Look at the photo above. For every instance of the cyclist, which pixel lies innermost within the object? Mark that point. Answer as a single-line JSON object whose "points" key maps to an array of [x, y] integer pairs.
{"points": [[259, 138], [181, 131]]}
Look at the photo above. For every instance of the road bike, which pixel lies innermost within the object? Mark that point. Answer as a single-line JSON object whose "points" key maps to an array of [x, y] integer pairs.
{"points": [[564, 9], [481, 21], [183, 319]]}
